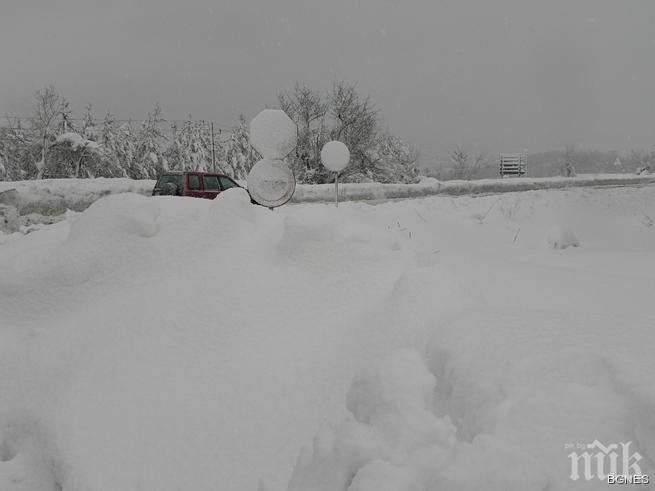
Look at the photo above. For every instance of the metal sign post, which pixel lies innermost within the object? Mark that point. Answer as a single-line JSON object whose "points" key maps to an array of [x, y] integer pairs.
{"points": [[336, 189]]}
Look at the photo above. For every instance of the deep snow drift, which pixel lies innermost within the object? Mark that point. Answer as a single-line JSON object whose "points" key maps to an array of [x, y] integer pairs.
{"points": [[436, 344]]}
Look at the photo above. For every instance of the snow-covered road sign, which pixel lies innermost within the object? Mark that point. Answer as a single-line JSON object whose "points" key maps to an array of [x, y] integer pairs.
{"points": [[335, 157], [273, 134], [271, 183]]}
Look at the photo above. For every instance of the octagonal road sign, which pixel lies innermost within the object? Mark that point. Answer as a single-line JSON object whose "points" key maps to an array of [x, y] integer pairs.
{"points": [[335, 156], [271, 182], [273, 134]]}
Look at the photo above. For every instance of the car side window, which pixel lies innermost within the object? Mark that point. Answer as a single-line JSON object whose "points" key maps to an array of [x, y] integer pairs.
{"points": [[227, 183], [194, 182], [211, 183], [173, 179]]}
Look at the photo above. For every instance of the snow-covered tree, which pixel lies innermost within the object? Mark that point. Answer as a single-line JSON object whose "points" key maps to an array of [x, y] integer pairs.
{"points": [[149, 160], [88, 129], [18, 150], [308, 109], [3, 169], [85, 156], [119, 141], [220, 154], [173, 152], [109, 138], [238, 153], [191, 147], [65, 118]]}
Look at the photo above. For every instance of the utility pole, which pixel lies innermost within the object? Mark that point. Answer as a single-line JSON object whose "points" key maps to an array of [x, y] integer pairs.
{"points": [[41, 171], [213, 149]]}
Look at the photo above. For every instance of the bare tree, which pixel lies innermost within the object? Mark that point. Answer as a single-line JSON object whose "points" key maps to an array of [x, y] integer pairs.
{"points": [[308, 109], [303, 104], [569, 162], [356, 117], [342, 114], [50, 106], [465, 167]]}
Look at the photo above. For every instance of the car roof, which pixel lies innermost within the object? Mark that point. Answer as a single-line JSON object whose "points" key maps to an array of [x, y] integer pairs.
{"points": [[180, 173]]}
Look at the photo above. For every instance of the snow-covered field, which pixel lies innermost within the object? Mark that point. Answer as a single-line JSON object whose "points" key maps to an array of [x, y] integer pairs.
{"points": [[443, 343]]}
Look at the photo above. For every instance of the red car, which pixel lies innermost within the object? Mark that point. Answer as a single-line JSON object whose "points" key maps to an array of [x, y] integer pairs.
{"points": [[194, 184]]}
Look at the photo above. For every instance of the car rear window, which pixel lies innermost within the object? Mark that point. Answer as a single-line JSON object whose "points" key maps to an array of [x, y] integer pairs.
{"points": [[211, 183], [228, 183], [170, 179]]}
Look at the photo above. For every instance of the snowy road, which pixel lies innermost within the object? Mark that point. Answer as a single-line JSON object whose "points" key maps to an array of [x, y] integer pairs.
{"points": [[46, 198], [430, 344]]}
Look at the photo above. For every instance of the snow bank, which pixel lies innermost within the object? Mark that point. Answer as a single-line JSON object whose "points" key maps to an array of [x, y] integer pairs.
{"points": [[175, 322], [169, 343], [430, 187], [49, 197], [55, 196]]}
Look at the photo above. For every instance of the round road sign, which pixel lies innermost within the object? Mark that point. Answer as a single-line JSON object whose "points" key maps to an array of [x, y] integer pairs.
{"points": [[271, 182], [335, 156]]}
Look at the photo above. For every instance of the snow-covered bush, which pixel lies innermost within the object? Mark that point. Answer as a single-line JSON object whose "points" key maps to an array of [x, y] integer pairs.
{"points": [[9, 204], [394, 160], [561, 237], [9, 221]]}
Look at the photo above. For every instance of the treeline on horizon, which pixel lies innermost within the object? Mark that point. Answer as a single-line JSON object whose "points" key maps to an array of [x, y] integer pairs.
{"points": [[51, 143], [566, 162]]}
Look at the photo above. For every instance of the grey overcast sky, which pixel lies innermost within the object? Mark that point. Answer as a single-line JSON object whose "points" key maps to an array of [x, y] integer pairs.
{"points": [[491, 75]]}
